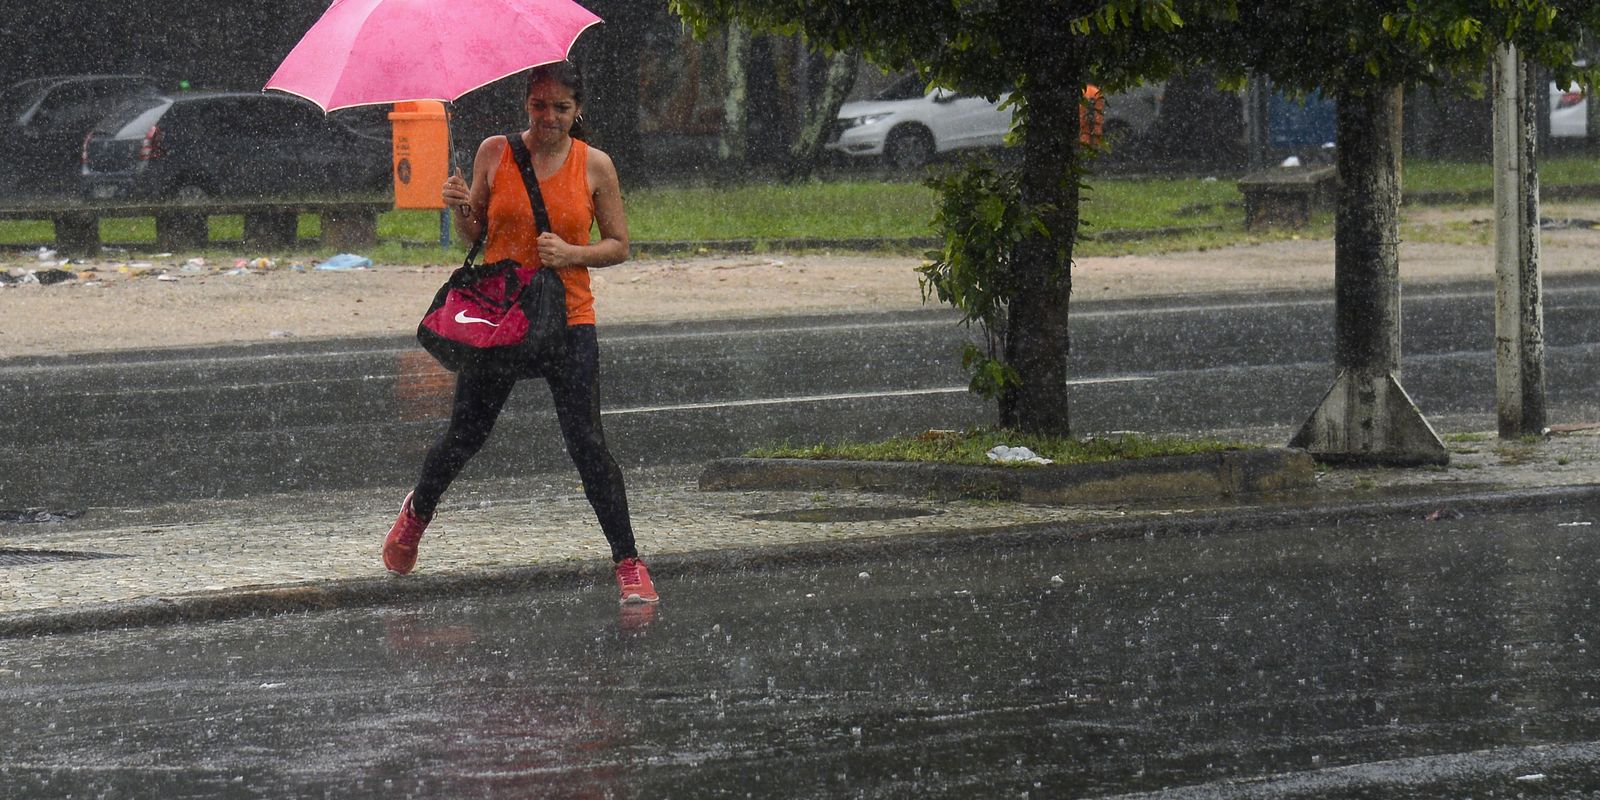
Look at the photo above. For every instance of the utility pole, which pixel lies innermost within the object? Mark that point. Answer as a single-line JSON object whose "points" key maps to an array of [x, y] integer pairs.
{"points": [[1518, 300]]}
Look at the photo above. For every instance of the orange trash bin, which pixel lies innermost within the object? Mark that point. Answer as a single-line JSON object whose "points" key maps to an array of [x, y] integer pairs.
{"points": [[421, 153]]}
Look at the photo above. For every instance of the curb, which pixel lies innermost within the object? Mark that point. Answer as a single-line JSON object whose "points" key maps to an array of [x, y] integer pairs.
{"points": [[325, 595], [366, 592], [1226, 474]]}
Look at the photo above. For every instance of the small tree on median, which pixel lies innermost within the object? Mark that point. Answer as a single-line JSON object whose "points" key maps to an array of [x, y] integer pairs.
{"points": [[1009, 235]]}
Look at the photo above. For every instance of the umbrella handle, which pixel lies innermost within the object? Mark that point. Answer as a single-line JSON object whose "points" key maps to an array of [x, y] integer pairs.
{"points": [[450, 147]]}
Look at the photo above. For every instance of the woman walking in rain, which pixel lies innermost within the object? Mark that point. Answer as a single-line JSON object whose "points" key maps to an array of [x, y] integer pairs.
{"points": [[580, 189]]}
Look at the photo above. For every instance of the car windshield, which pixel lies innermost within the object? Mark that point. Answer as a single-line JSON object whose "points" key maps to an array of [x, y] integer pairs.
{"points": [[909, 87], [19, 98]]}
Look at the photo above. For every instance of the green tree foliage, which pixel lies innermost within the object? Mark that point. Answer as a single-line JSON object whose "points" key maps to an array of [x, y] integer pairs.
{"points": [[1044, 52], [1352, 47], [984, 219]]}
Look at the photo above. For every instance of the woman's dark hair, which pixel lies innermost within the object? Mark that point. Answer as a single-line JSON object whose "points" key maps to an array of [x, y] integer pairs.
{"points": [[565, 73]]}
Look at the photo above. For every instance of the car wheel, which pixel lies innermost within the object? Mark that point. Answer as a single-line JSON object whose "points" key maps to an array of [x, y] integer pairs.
{"points": [[908, 148]]}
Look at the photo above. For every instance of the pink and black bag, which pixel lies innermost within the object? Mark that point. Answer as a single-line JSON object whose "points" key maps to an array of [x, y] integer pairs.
{"points": [[495, 316]]}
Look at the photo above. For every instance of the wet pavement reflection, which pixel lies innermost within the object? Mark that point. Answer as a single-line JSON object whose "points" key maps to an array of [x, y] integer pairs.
{"points": [[1434, 658]]}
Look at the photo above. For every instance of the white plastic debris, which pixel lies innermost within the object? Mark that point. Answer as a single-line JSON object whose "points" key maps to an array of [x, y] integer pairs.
{"points": [[864, 575], [344, 261], [1573, 524], [1291, 161], [45, 254], [1057, 580], [1006, 454]]}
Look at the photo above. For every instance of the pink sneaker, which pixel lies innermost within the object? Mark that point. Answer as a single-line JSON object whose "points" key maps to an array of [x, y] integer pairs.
{"points": [[634, 581], [400, 546]]}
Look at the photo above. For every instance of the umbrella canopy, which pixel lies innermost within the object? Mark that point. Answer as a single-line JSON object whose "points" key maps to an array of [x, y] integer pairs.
{"points": [[365, 52]]}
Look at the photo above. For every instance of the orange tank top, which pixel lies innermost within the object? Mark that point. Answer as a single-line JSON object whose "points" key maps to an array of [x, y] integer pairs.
{"points": [[571, 207]]}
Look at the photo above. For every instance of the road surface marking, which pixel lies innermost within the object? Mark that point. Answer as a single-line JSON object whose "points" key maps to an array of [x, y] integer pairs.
{"points": [[824, 398]]}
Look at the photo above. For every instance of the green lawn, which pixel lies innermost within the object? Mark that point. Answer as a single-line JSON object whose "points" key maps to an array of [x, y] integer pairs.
{"points": [[1442, 176], [856, 209]]}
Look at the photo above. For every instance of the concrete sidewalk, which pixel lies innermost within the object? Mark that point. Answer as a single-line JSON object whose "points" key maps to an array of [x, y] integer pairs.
{"points": [[296, 552]]}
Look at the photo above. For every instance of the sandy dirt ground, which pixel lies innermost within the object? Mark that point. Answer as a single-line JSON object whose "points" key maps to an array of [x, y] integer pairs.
{"points": [[144, 302]]}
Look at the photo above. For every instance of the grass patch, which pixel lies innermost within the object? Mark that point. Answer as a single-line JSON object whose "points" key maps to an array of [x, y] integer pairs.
{"points": [[1148, 203], [1477, 232], [1515, 455], [848, 209], [1180, 214], [817, 209], [1466, 438], [1456, 176], [971, 447]]}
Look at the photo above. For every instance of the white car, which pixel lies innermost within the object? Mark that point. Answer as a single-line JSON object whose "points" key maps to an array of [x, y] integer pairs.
{"points": [[907, 124], [1569, 111]]}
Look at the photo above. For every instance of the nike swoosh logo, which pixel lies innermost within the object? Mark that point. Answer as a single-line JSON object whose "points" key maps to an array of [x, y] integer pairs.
{"points": [[461, 317]]}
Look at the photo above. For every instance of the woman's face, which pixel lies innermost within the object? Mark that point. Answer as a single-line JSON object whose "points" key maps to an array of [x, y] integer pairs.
{"points": [[551, 110]]}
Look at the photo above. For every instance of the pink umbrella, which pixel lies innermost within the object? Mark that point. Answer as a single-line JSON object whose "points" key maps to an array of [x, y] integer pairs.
{"points": [[365, 52]]}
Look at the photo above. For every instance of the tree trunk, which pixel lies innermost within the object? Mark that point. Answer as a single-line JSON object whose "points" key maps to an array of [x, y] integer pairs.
{"points": [[1591, 120], [1036, 337], [735, 105], [807, 149], [1367, 417], [1366, 237]]}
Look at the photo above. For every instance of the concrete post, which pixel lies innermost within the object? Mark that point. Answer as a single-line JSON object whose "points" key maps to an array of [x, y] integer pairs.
{"points": [[1519, 310]]}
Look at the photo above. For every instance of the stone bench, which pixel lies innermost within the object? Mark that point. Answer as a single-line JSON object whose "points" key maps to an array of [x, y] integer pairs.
{"points": [[1286, 195], [347, 224]]}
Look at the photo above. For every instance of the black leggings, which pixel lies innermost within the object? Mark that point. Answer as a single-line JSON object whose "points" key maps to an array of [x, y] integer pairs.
{"points": [[575, 388]]}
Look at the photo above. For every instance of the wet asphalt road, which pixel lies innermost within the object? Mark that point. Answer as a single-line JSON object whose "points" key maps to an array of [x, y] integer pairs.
{"points": [[229, 422], [1437, 659]]}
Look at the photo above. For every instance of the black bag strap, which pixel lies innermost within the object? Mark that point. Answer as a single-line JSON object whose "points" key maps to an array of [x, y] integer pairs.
{"points": [[541, 217], [524, 159]]}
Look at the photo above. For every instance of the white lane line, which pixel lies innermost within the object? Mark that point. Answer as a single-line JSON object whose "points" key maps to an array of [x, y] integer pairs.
{"points": [[823, 398]]}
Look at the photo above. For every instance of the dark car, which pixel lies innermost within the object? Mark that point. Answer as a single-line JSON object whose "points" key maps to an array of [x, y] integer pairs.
{"points": [[45, 120], [233, 145]]}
